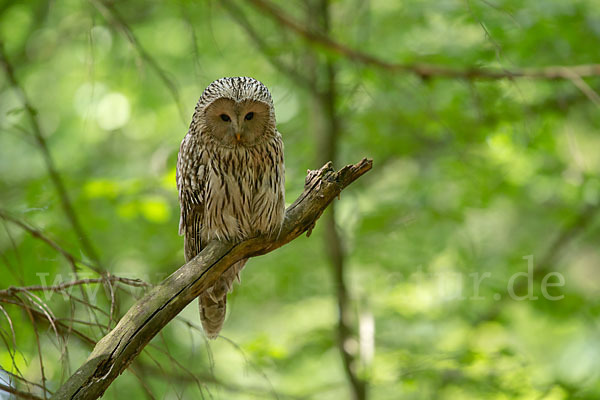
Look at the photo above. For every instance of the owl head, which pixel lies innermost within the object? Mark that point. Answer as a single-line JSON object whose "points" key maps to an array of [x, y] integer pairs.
{"points": [[235, 111]]}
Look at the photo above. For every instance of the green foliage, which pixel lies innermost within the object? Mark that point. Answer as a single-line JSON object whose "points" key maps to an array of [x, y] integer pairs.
{"points": [[470, 177]]}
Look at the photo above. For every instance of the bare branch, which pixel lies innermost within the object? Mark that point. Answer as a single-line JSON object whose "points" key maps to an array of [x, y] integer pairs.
{"points": [[12, 331], [18, 393], [544, 264], [149, 315], [272, 390], [36, 233], [40, 316], [65, 200], [422, 69], [328, 131], [73, 261], [238, 15], [39, 348], [202, 380], [108, 10], [25, 381], [57, 288], [142, 382]]}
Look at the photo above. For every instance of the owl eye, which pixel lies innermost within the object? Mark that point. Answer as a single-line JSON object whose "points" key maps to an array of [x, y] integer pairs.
{"points": [[249, 116], [225, 117]]}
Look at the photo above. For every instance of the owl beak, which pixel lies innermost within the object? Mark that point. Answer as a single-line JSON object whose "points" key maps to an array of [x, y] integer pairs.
{"points": [[238, 136]]}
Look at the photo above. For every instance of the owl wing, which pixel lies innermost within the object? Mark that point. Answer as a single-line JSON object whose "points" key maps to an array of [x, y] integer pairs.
{"points": [[191, 181]]}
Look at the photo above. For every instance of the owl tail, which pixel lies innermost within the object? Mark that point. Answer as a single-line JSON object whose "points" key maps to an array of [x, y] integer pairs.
{"points": [[213, 301]]}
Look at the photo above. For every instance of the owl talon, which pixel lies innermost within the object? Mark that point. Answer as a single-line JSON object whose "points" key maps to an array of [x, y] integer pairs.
{"points": [[310, 229], [211, 293]]}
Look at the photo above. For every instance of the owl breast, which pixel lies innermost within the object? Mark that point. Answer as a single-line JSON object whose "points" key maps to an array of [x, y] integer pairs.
{"points": [[244, 191]]}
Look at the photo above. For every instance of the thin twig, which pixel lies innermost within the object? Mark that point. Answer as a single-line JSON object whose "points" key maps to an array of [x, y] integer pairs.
{"points": [[422, 69], [36, 301], [59, 325], [39, 347], [252, 364], [60, 287], [14, 271], [19, 393], [112, 15], [145, 386], [328, 136], [20, 378], [586, 89], [201, 379], [544, 264], [237, 14], [55, 177], [36, 233], [73, 261], [11, 354], [193, 376], [12, 331], [79, 321], [88, 304]]}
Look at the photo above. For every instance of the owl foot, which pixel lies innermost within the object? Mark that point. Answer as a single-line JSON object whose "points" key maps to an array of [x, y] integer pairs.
{"points": [[211, 293], [310, 229]]}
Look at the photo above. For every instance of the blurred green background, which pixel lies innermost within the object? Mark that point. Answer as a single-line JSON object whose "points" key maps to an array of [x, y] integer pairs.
{"points": [[474, 181]]}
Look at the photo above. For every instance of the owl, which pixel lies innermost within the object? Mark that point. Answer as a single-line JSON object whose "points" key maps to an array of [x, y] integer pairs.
{"points": [[230, 178]]}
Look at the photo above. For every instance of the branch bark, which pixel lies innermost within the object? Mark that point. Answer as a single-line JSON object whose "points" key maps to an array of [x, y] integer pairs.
{"points": [[114, 352]]}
